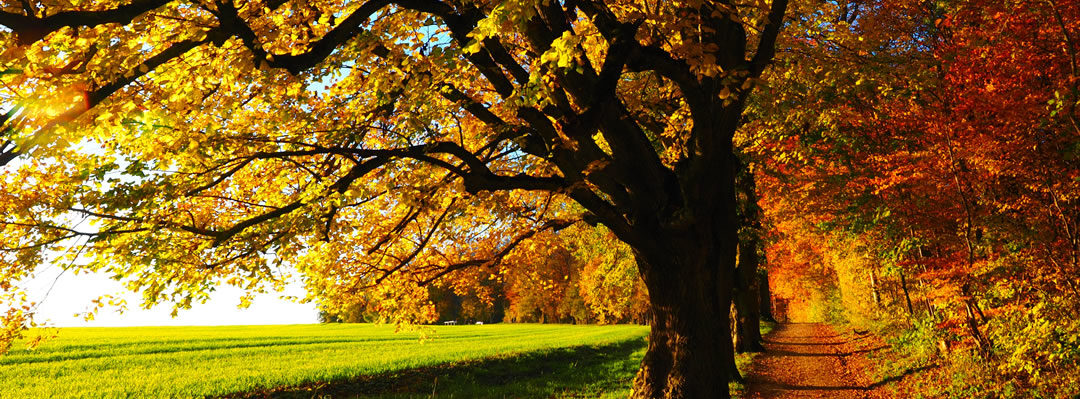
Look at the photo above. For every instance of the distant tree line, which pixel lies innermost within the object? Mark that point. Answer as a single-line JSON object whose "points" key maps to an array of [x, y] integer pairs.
{"points": [[581, 275]]}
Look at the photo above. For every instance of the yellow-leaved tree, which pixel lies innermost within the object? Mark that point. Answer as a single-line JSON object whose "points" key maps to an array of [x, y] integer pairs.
{"points": [[378, 146]]}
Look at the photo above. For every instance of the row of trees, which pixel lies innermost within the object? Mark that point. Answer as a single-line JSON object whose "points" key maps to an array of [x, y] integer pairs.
{"points": [[580, 275], [922, 152], [921, 175]]}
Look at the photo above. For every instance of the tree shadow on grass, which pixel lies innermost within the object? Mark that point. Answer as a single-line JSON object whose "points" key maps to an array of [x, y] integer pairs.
{"points": [[583, 371]]}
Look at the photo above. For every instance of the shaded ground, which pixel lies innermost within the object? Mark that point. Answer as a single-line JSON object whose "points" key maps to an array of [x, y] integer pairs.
{"points": [[807, 360], [593, 371]]}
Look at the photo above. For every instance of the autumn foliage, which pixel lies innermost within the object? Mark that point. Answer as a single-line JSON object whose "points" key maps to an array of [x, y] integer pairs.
{"points": [[905, 166], [581, 275], [923, 178]]}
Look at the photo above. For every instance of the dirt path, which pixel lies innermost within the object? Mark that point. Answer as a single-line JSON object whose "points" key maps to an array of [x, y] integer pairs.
{"points": [[812, 361]]}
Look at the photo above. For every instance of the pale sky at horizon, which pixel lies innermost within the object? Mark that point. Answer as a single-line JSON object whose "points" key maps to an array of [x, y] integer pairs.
{"points": [[73, 294]]}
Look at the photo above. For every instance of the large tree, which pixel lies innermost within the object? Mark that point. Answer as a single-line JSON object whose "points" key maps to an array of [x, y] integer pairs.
{"points": [[378, 146]]}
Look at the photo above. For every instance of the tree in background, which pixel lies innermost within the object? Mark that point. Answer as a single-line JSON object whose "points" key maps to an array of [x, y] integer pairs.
{"points": [[609, 283], [747, 299], [581, 275], [382, 146], [588, 276], [542, 287]]}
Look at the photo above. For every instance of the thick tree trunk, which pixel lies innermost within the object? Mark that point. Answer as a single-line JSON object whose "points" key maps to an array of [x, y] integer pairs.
{"points": [[748, 320], [765, 295], [685, 243], [748, 323], [687, 355], [688, 265]]}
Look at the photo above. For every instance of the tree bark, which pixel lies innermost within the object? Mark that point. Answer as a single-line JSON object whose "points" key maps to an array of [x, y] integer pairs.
{"points": [[736, 337], [874, 288], [687, 355], [907, 295], [748, 317], [688, 267], [981, 341], [765, 294]]}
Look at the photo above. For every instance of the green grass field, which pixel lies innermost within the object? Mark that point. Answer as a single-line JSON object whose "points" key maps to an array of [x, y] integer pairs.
{"points": [[500, 360]]}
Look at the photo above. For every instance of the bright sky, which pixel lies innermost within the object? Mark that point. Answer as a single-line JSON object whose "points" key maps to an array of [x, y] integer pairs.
{"points": [[73, 293]]}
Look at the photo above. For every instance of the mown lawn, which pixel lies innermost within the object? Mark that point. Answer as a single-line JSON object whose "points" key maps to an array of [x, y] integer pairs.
{"points": [[340, 360]]}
